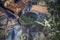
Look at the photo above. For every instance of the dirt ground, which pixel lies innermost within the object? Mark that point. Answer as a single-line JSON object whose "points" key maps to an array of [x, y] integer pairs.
{"points": [[40, 7]]}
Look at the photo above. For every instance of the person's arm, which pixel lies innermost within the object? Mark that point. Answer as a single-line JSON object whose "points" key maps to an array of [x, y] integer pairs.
{"points": [[15, 7]]}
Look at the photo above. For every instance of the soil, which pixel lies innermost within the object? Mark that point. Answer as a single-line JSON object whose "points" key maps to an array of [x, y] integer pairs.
{"points": [[40, 8]]}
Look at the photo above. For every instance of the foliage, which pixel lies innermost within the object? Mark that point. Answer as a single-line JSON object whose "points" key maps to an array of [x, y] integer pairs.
{"points": [[27, 19], [54, 8]]}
